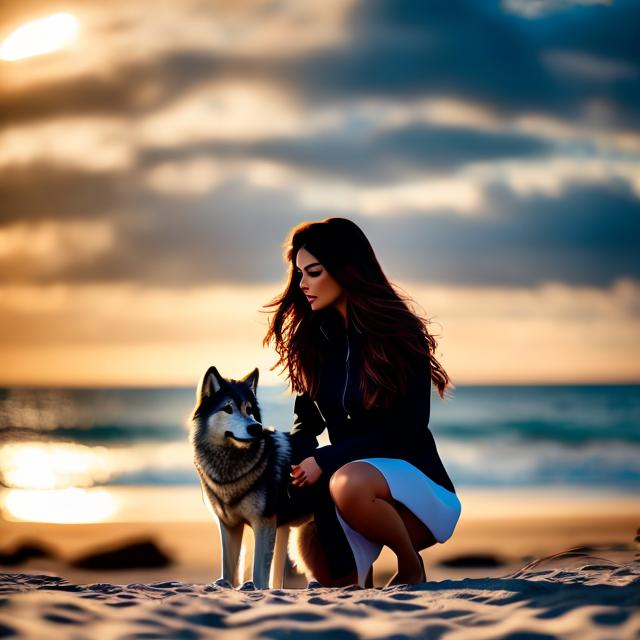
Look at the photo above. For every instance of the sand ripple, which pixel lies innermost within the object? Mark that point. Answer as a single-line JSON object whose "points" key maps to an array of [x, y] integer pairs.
{"points": [[582, 593]]}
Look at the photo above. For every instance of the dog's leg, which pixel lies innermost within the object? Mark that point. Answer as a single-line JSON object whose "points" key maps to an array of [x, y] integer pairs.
{"points": [[231, 543], [279, 557], [264, 532]]}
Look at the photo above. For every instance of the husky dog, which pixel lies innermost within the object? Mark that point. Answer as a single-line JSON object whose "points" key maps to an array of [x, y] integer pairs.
{"points": [[243, 469]]}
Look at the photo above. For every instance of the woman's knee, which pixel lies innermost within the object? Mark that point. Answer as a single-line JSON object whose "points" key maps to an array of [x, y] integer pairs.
{"points": [[356, 481]]}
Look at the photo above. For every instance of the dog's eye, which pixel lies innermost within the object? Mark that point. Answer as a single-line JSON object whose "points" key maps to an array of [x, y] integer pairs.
{"points": [[228, 408], [250, 410]]}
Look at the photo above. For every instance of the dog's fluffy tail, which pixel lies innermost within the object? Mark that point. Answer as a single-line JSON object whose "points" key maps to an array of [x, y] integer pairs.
{"points": [[306, 550]]}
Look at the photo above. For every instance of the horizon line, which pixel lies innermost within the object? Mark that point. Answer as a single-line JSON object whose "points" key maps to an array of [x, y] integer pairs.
{"points": [[577, 383]]}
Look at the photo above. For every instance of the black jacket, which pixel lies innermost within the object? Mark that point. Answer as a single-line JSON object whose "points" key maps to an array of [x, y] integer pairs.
{"points": [[400, 431]]}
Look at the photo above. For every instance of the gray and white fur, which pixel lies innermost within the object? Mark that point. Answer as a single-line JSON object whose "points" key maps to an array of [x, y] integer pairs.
{"points": [[243, 469]]}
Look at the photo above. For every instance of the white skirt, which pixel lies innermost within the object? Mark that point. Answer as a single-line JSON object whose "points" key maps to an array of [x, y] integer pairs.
{"points": [[438, 508]]}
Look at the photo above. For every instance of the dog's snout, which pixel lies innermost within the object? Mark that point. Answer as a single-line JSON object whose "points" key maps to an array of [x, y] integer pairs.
{"points": [[255, 429]]}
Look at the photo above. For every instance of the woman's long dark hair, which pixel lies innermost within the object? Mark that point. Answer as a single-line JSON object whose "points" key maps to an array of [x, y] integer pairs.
{"points": [[397, 341]]}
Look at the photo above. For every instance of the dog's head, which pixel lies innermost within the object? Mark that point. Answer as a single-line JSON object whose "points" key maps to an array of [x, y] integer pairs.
{"points": [[227, 411]]}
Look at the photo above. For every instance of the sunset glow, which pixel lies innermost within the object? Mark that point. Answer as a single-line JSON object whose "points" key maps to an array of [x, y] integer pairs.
{"points": [[39, 37], [50, 465], [61, 506]]}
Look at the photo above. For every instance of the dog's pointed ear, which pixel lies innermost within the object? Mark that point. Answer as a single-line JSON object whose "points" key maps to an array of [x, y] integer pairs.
{"points": [[211, 383], [252, 380]]}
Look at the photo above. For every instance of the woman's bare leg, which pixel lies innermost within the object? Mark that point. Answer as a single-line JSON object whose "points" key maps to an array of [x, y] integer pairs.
{"points": [[362, 496]]}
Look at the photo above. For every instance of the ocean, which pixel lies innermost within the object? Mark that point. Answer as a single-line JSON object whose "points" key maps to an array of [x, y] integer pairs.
{"points": [[583, 436]]}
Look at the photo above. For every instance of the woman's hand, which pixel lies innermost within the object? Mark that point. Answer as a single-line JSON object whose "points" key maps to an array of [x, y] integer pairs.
{"points": [[305, 473]]}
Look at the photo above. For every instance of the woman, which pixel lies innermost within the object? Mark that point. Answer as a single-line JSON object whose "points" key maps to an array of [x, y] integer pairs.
{"points": [[362, 364]]}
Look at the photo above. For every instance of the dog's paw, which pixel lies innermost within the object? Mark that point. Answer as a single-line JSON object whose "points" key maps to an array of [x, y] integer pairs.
{"points": [[247, 586], [223, 583], [314, 584]]}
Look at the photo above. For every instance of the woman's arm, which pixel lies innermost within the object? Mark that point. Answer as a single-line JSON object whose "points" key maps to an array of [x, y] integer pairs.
{"points": [[307, 424], [391, 432]]}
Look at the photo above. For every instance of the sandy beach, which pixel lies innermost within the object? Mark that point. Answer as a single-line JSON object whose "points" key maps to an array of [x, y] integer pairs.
{"points": [[521, 564]]}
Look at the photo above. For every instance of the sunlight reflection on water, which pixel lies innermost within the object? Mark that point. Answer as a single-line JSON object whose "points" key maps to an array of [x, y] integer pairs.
{"points": [[104, 504], [64, 506]]}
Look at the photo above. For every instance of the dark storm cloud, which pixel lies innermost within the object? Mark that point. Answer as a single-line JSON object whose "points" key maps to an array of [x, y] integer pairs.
{"points": [[370, 158], [449, 148], [459, 48], [475, 51], [588, 237], [387, 156], [606, 33]]}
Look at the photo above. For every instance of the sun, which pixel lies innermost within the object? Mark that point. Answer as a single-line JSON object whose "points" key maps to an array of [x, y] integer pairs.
{"points": [[39, 37]]}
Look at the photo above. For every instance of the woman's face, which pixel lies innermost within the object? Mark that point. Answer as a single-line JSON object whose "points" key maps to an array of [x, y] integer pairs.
{"points": [[316, 283]]}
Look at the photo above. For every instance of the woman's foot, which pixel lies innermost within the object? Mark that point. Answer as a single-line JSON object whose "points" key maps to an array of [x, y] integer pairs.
{"points": [[411, 574]]}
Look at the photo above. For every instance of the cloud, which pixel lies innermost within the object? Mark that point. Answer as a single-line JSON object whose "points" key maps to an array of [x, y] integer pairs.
{"points": [[391, 153], [198, 156], [539, 8], [29, 251], [132, 58], [413, 48], [600, 65], [233, 235], [43, 191], [342, 51], [591, 68], [138, 87], [589, 236], [555, 176], [191, 178], [92, 144]]}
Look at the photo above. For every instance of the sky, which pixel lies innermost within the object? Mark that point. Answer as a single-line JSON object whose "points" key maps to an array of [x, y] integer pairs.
{"points": [[151, 168]]}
